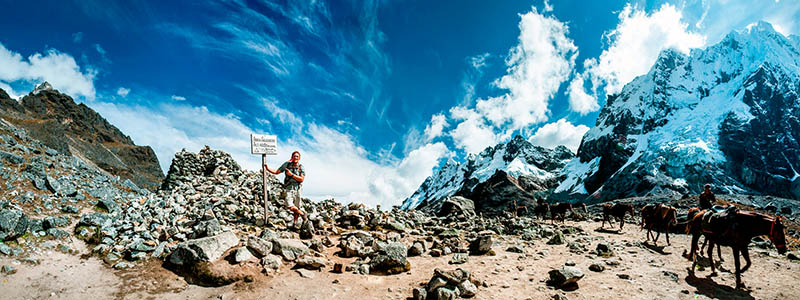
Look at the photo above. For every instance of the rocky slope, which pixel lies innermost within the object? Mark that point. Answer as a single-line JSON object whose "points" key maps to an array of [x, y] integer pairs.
{"points": [[75, 129], [526, 169], [727, 115]]}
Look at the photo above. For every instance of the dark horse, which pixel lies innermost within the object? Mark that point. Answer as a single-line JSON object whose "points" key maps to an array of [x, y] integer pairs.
{"points": [[690, 214], [541, 210], [736, 231], [617, 211], [660, 217], [559, 210]]}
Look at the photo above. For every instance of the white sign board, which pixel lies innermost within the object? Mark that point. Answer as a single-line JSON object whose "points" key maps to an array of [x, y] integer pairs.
{"points": [[263, 144]]}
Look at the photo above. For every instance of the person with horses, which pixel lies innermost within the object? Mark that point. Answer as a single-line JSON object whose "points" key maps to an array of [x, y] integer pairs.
{"points": [[707, 199], [292, 183]]}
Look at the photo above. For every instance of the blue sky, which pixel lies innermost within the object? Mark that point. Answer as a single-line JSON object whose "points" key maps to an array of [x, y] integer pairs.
{"points": [[375, 94]]}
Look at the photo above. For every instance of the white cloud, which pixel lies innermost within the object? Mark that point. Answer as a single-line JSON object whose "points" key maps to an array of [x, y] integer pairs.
{"points": [[10, 91], [561, 132], [547, 6], [636, 42], [123, 91], [434, 129], [58, 68], [537, 66], [178, 98], [335, 164], [471, 134], [579, 100]]}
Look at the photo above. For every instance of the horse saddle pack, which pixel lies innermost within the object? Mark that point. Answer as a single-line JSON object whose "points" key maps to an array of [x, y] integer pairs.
{"points": [[721, 222]]}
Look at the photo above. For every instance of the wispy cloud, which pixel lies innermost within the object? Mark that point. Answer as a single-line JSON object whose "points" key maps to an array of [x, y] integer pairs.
{"points": [[77, 37], [123, 92], [178, 98]]}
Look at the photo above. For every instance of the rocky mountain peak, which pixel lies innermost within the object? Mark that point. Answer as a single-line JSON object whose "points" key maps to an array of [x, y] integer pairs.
{"points": [[44, 86], [70, 128], [720, 115]]}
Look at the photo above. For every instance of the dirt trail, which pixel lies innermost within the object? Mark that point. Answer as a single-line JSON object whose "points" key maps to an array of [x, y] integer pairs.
{"points": [[654, 273]]}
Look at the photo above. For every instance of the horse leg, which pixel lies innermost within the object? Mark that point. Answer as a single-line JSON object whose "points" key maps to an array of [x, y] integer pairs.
{"points": [[621, 223], [666, 232], [655, 241], [604, 222], [711, 258], [746, 254], [738, 270], [719, 254], [693, 251], [703, 247]]}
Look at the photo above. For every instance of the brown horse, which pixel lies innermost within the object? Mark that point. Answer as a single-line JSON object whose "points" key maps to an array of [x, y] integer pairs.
{"points": [[735, 230], [658, 216], [617, 211], [559, 210]]}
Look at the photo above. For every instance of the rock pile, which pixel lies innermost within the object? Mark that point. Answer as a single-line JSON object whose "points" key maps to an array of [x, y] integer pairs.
{"points": [[453, 284]]}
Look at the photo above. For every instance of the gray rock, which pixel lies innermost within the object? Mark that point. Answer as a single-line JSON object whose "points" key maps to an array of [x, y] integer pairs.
{"points": [[557, 239], [416, 249], [305, 273], [457, 206], [419, 294], [603, 249], [390, 259], [13, 224], [57, 233], [271, 262], [307, 230], [11, 158], [204, 249], [53, 222], [243, 255], [444, 293], [289, 249], [516, 249], [9, 269], [459, 258], [61, 187], [311, 263], [108, 204], [5, 249], [467, 289], [70, 209], [565, 278], [260, 246]]}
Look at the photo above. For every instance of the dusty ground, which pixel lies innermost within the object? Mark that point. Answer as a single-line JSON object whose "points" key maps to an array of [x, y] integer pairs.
{"points": [[508, 276]]}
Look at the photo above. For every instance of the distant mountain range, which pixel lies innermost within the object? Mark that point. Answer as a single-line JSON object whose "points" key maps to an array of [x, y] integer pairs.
{"points": [[57, 121], [727, 115]]}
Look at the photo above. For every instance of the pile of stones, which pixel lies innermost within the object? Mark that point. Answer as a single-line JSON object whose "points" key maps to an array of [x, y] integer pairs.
{"points": [[453, 284]]}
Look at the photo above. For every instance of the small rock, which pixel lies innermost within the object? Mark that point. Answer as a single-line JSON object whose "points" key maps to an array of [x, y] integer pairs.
{"points": [[557, 239], [305, 273], [565, 278], [243, 255], [9, 269], [570, 263], [624, 276], [595, 267], [459, 258]]}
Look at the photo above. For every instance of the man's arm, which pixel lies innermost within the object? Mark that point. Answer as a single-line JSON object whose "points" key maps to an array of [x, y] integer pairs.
{"points": [[298, 178], [276, 172]]}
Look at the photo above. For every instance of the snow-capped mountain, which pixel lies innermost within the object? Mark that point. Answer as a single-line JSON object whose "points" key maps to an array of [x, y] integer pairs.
{"points": [[517, 158], [727, 115]]}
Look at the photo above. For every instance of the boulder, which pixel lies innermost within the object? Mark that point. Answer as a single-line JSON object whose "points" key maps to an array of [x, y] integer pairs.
{"points": [[311, 263], [457, 206], [260, 246], [390, 259], [271, 263], [557, 239], [416, 249], [13, 224], [205, 249], [289, 249], [565, 278], [243, 255]]}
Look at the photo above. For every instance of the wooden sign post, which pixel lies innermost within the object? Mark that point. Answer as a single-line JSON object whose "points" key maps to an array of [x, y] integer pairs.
{"points": [[264, 145]]}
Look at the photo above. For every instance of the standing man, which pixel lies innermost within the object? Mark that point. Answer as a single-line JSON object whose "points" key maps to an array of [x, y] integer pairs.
{"points": [[293, 183], [707, 199]]}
